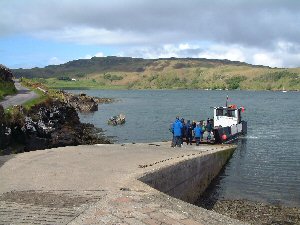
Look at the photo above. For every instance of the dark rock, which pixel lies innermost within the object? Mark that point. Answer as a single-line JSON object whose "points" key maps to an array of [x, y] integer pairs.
{"points": [[46, 125], [5, 73], [83, 102]]}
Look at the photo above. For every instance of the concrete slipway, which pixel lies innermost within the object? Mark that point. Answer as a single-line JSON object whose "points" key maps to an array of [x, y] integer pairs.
{"points": [[110, 184]]}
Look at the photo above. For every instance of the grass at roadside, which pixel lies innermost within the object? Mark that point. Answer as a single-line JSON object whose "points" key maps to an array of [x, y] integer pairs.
{"points": [[33, 86], [41, 98], [6, 88]]}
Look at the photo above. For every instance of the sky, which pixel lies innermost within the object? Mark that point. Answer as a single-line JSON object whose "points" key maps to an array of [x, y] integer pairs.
{"points": [[37, 33]]}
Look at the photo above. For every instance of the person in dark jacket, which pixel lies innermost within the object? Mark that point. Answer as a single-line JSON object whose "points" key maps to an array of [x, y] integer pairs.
{"points": [[197, 133], [209, 128], [194, 124], [177, 128], [189, 132], [172, 131], [183, 134]]}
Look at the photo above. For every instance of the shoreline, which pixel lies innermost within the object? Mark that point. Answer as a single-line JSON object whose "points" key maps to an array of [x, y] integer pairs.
{"points": [[249, 211], [117, 88], [255, 212], [50, 124]]}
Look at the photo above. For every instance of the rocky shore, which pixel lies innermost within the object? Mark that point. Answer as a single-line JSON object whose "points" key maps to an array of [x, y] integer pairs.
{"points": [[53, 123], [253, 212], [83, 102]]}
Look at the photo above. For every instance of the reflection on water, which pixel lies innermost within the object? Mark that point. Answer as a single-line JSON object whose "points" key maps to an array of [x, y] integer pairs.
{"points": [[266, 165]]}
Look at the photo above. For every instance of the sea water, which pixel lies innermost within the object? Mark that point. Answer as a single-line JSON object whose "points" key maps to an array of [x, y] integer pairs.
{"points": [[266, 165]]}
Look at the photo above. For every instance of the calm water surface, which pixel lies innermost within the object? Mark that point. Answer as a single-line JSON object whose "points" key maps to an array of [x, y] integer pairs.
{"points": [[266, 165]]}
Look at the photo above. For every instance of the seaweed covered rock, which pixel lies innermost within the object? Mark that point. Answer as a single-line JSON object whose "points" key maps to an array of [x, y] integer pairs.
{"points": [[82, 102], [46, 125]]}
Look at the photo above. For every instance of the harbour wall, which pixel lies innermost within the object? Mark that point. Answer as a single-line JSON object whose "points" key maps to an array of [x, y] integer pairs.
{"points": [[188, 179], [101, 181]]}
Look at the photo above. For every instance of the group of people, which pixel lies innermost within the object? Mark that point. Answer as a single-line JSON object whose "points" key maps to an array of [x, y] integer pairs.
{"points": [[189, 131]]}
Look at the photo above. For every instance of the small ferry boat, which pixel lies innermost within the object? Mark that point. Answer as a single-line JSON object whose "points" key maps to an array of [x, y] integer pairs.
{"points": [[225, 127], [228, 123]]}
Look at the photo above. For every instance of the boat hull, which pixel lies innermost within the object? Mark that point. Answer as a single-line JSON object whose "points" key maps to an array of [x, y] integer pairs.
{"points": [[229, 134]]}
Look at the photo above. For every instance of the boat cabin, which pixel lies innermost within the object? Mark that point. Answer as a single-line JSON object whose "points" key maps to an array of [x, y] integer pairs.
{"points": [[227, 116]]}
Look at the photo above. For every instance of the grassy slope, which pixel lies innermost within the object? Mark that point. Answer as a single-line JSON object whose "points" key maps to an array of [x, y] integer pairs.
{"points": [[6, 88], [115, 72]]}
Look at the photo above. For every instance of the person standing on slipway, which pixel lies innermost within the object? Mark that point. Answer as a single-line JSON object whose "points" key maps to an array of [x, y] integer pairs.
{"points": [[189, 132], [177, 129], [197, 133]]}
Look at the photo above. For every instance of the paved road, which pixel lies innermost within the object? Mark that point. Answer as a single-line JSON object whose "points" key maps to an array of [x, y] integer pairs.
{"points": [[24, 94]]}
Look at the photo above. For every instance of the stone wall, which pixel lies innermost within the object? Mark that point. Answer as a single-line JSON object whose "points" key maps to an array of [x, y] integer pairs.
{"points": [[187, 180]]}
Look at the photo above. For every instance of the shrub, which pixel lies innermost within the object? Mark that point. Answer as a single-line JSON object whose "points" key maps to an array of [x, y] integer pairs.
{"points": [[64, 78], [111, 77], [181, 65], [234, 82], [276, 76], [6, 88]]}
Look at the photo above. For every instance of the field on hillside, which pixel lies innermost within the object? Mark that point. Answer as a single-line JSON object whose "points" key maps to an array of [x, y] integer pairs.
{"points": [[130, 73]]}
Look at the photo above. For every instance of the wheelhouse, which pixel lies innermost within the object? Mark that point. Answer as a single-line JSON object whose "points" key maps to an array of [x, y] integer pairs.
{"points": [[227, 116]]}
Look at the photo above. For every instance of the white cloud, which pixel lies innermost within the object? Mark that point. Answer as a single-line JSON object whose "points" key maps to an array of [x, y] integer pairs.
{"points": [[267, 59], [133, 21], [55, 61], [164, 51], [284, 55], [183, 50], [270, 36], [88, 56], [98, 54], [234, 53], [91, 36]]}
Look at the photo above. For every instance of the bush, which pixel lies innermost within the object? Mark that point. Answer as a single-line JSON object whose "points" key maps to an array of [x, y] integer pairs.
{"points": [[64, 78], [113, 77], [2, 114], [6, 88], [181, 65], [278, 75], [234, 82]]}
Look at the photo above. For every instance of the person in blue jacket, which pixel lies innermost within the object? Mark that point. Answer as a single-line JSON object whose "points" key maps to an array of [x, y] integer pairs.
{"points": [[177, 129], [197, 133]]}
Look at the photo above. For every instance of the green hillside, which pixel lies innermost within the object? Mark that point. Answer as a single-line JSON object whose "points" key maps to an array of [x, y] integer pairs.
{"points": [[7, 86], [137, 73]]}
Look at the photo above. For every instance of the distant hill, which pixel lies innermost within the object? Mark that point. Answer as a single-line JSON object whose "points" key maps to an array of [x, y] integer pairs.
{"points": [[163, 73], [7, 86]]}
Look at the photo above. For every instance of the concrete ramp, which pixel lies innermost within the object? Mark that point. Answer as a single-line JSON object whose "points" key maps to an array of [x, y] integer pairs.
{"points": [[108, 184]]}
